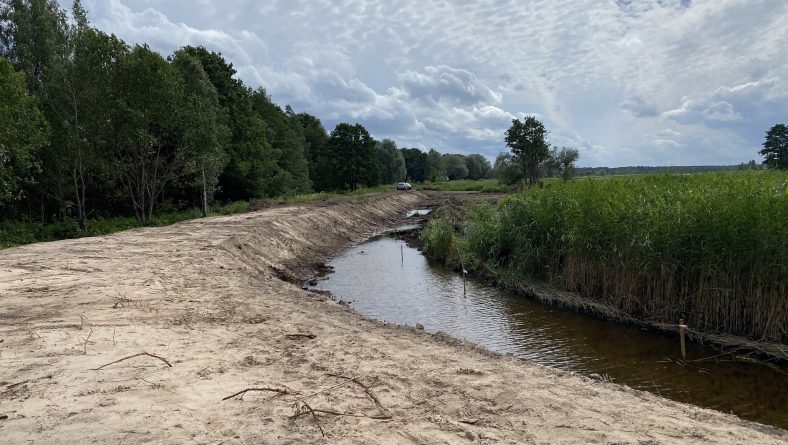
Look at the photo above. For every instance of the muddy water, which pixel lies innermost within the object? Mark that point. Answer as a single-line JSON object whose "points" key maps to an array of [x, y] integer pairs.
{"points": [[389, 281]]}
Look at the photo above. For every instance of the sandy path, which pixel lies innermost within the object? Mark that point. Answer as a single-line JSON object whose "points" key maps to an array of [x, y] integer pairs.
{"points": [[205, 295]]}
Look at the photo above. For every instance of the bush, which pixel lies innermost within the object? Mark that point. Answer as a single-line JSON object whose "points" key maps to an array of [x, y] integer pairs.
{"points": [[437, 236]]}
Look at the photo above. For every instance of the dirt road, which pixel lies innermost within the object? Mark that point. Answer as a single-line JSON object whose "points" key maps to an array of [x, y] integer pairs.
{"points": [[207, 297]]}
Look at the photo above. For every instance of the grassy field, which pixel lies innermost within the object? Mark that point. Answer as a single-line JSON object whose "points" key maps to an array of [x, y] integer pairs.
{"points": [[711, 248], [482, 185]]}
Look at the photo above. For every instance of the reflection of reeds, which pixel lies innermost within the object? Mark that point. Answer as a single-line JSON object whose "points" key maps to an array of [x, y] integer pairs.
{"points": [[709, 248]]}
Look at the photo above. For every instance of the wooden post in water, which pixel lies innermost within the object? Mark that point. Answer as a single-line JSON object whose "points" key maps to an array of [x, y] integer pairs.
{"points": [[402, 253], [682, 328], [463, 279]]}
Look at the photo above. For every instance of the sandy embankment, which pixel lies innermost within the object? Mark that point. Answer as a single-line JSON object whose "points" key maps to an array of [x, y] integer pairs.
{"points": [[206, 295]]}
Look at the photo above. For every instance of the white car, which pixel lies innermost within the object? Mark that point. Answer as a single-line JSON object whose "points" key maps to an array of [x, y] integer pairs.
{"points": [[404, 186]]}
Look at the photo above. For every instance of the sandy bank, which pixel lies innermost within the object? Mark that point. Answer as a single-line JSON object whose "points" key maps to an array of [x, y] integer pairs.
{"points": [[207, 295]]}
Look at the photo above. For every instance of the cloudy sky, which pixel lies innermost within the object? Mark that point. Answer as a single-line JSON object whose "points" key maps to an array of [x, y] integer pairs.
{"points": [[628, 82]]}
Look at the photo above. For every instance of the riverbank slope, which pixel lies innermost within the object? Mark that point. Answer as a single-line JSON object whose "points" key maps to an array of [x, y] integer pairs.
{"points": [[208, 296]]}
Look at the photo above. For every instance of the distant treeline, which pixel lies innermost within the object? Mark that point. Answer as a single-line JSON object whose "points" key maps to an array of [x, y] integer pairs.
{"points": [[91, 127], [641, 169]]}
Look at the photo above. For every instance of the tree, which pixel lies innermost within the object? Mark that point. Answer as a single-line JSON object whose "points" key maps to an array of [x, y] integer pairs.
{"points": [[31, 33], [526, 140], [251, 159], [415, 163], [291, 174], [391, 161], [151, 148], [507, 169], [564, 161], [775, 147], [355, 157], [317, 154], [478, 166], [204, 122], [22, 133], [78, 89], [435, 168], [455, 166]]}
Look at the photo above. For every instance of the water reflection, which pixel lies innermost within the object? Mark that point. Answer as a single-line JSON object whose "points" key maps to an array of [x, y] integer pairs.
{"points": [[386, 281]]}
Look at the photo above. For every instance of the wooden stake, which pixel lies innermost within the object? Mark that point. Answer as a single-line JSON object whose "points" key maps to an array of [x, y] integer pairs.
{"points": [[682, 328], [402, 253], [464, 272]]}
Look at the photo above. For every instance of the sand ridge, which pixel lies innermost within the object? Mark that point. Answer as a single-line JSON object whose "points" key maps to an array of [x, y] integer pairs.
{"points": [[208, 296]]}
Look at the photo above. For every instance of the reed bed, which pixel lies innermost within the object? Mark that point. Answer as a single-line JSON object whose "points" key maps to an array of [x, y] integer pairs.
{"points": [[710, 248]]}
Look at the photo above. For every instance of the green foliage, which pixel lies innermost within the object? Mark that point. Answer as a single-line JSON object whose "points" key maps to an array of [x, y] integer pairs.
{"points": [[563, 161], [507, 169], [151, 146], [775, 147], [317, 152], [478, 166], [355, 157], [205, 124], [415, 164], [526, 140], [709, 248], [455, 167], [285, 134], [437, 237], [391, 161], [466, 185], [22, 133]]}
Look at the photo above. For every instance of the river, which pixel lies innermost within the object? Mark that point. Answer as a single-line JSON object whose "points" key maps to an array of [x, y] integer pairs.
{"points": [[385, 279]]}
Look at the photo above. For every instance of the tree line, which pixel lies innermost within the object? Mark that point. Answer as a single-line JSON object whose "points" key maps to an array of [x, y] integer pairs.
{"points": [[93, 127]]}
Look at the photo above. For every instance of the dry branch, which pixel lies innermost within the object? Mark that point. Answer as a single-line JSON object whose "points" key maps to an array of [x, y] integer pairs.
{"points": [[309, 409], [336, 413], [280, 391], [86, 341], [366, 389], [132, 356], [306, 335]]}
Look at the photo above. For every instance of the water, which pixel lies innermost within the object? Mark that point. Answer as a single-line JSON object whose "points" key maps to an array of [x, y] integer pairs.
{"points": [[380, 284]]}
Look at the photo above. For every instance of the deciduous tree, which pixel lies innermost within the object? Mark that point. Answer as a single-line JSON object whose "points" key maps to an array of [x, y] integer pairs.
{"points": [[526, 140], [775, 147], [22, 133]]}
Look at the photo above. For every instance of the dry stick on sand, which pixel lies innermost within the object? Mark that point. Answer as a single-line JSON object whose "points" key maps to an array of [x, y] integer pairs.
{"points": [[307, 335], [337, 413], [363, 386], [132, 356], [309, 409], [87, 340], [280, 391]]}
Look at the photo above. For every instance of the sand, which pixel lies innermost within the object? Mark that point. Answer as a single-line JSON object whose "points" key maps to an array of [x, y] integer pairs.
{"points": [[220, 299]]}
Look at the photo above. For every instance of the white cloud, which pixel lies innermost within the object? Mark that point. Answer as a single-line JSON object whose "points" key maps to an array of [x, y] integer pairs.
{"points": [[452, 74]]}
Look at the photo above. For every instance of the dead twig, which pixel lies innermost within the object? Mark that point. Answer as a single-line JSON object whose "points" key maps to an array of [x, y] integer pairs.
{"points": [[366, 389], [306, 335], [309, 409], [336, 413], [82, 321], [469, 421], [280, 391], [86, 341], [132, 356]]}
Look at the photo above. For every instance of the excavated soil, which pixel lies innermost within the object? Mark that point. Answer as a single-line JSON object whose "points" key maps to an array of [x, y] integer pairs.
{"points": [[215, 298]]}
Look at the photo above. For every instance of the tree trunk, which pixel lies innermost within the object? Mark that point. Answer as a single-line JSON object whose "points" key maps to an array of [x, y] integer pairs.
{"points": [[204, 193]]}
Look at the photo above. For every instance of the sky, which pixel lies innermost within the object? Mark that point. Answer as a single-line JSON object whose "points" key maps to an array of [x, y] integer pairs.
{"points": [[626, 82]]}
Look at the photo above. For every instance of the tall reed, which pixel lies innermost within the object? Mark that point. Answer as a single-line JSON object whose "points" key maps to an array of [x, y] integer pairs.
{"points": [[709, 248]]}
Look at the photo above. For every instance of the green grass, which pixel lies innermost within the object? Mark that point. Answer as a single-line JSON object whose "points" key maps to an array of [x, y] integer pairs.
{"points": [[711, 248], [467, 185]]}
